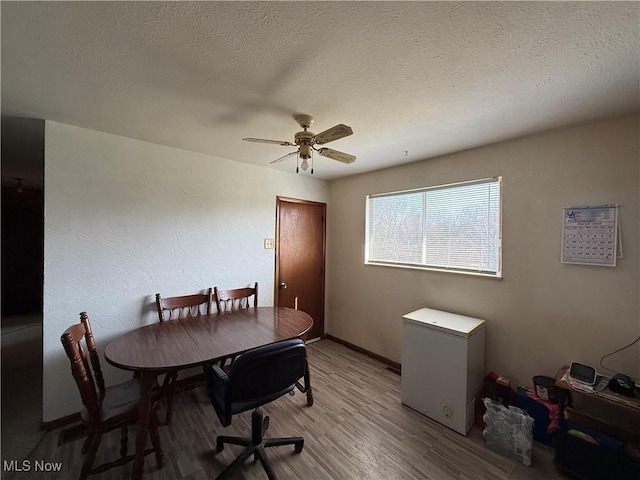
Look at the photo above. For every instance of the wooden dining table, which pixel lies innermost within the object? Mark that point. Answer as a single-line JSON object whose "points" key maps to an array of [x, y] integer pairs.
{"points": [[190, 342]]}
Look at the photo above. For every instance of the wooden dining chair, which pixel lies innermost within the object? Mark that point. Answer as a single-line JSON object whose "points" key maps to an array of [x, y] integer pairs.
{"points": [[228, 300], [185, 306], [234, 299], [173, 308], [105, 408]]}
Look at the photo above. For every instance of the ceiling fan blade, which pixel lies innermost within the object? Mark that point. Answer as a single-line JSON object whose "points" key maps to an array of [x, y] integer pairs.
{"points": [[263, 140], [284, 157], [336, 155], [334, 133]]}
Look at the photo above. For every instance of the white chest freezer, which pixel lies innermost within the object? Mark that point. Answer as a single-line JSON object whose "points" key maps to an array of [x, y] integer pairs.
{"points": [[442, 365]]}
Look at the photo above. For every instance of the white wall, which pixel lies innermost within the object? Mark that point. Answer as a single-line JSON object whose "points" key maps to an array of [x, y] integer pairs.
{"points": [[125, 219], [543, 313]]}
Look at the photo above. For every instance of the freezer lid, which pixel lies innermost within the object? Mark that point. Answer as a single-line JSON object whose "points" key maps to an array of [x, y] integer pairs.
{"points": [[450, 323]]}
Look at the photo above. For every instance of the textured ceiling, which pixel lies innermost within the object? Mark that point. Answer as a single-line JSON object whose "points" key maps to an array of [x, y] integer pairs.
{"points": [[413, 79]]}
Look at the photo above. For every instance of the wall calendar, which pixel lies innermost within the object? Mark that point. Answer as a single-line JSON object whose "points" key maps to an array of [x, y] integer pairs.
{"points": [[590, 235]]}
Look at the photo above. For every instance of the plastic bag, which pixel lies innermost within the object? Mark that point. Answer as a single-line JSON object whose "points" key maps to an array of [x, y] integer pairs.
{"points": [[508, 431]]}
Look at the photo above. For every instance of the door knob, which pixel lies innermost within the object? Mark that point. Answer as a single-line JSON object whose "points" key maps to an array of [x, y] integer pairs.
{"points": [[282, 286]]}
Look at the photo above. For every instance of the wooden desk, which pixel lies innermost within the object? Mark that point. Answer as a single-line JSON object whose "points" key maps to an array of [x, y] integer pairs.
{"points": [[606, 412], [178, 344]]}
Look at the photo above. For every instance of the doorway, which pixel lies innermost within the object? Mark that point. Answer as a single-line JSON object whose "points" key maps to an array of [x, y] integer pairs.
{"points": [[22, 283], [300, 258]]}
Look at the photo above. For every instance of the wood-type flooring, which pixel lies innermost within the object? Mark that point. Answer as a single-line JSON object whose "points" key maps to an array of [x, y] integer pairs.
{"points": [[356, 429]]}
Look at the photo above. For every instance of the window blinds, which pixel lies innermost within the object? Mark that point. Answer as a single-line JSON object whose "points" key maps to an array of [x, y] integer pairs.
{"points": [[453, 227]]}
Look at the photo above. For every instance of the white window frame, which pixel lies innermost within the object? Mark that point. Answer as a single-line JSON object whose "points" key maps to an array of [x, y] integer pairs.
{"points": [[425, 266]]}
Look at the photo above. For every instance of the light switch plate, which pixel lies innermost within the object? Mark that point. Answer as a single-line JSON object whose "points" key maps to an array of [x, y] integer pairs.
{"points": [[269, 243]]}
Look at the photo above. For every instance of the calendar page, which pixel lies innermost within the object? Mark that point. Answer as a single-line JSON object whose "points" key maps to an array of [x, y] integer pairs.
{"points": [[589, 235]]}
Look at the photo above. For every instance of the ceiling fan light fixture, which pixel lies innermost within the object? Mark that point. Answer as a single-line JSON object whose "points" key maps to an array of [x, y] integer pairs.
{"points": [[305, 163], [305, 151]]}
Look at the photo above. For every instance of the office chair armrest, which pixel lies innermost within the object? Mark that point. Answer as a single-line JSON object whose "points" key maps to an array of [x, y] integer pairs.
{"points": [[214, 374]]}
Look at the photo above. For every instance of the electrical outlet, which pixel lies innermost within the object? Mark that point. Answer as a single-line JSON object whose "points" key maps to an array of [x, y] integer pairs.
{"points": [[269, 243]]}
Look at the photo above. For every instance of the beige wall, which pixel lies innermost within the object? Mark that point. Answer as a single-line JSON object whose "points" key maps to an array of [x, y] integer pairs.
{"points": [[543, 313]]}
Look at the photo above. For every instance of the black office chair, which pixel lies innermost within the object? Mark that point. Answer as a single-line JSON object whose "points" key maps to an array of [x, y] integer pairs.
{"points": [[256, 378]]}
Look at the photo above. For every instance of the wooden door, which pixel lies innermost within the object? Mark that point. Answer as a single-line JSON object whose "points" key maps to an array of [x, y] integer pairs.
{"points": [[300, 258]]}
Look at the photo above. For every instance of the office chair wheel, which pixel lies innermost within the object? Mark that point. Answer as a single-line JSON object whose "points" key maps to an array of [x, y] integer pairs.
{"points": [[219, 446], [298, 446]]}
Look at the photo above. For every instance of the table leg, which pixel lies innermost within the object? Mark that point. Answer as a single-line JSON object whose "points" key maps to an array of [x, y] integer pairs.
{"points": [[147, 379], [307, 383]]}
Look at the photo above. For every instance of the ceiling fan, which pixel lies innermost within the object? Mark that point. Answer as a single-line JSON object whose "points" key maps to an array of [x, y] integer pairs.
{"points": [[306, 141]]}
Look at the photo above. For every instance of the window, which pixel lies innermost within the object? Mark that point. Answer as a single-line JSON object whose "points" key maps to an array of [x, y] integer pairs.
{"points": [[453, 227]]}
